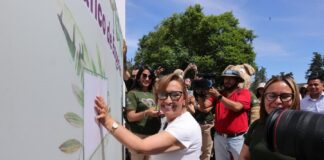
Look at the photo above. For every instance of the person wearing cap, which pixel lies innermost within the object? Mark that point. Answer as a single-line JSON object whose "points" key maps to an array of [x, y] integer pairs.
{"points": [[231, 115], [259, 90], [255, 103]]}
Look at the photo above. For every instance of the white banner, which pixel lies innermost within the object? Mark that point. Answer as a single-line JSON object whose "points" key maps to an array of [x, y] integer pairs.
{"points": [[45, 48]]}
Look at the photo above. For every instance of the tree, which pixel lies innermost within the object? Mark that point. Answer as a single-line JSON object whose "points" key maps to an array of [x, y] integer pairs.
{"points": [[211, 42], [317, 66], [290, 74], [260, 76]]}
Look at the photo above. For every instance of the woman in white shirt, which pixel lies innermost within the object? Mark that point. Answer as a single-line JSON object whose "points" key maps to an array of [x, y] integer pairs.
{"points": [[181, 140]]}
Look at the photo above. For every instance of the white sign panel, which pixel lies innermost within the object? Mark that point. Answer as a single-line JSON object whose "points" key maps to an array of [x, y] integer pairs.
{"points": [[94, 85], [45, 48]]}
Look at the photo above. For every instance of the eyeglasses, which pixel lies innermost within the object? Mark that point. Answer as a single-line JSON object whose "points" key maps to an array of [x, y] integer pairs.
{"points": [[174, 95], [146, 75], [284, 97]]}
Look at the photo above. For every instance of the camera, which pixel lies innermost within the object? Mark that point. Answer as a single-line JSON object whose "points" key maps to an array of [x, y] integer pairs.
{"points": [[298, 134], [202, 85]]}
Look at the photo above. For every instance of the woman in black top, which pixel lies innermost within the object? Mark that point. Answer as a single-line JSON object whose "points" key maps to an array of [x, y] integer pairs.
{"points": [[279, 92]]}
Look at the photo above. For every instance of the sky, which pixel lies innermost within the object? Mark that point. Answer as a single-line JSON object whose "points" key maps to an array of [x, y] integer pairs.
{"points": [[288, 31]]}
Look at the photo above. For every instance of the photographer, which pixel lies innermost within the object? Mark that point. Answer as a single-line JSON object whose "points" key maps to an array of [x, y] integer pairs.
{"points": [[231, 120], [204, 116], [279, 92]]}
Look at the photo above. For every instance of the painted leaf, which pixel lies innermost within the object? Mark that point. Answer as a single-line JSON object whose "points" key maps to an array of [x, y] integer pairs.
{"points": [[79, 60], [93, 67], [70, 41], [86, 56], [70, 146], [74, 119], [101, 68], [79, 94]]}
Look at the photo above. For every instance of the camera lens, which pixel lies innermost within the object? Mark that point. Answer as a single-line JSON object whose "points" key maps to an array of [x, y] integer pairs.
{"points": [[297, 134]]}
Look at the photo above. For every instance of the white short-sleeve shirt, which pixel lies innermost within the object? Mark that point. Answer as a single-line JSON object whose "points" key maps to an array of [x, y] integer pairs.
{"points": [[187, 131]]}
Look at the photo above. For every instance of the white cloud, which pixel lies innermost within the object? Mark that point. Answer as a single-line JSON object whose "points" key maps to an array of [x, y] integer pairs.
{"points": [[265, 48], [217, 7]]}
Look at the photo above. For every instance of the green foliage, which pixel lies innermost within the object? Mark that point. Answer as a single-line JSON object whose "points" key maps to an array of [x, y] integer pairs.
{"points": [[212, 42], [286, 74], [260, 76], [317, 65]]}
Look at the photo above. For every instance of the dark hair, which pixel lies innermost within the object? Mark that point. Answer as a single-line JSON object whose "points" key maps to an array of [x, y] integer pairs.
{"points": [[257, 93], [315, 76], [136, 67], [303, 91], [137, 84], [292, 85]]}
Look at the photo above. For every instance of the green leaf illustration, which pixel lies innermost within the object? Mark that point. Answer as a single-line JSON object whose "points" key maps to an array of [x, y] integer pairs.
{"points": [[70, 146], [70, 41], [86, 58], [79, 60], [79, 94], [101, 68], [93, 67], [74, 119], [113, 5]]}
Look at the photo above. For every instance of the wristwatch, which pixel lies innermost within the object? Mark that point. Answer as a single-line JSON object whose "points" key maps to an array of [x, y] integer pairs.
{"points": [[219, 97], [114, 126]]}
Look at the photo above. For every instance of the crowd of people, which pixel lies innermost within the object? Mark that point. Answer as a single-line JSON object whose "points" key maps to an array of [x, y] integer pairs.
{"points": [[174, 117]]}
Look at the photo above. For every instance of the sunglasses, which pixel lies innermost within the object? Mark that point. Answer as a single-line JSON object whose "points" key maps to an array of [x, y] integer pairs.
{"points": [[174, 95], [284, 97], [147, 76]]}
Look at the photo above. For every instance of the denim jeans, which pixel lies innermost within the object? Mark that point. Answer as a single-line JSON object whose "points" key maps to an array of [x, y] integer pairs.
{"points": [[225, 148]]}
